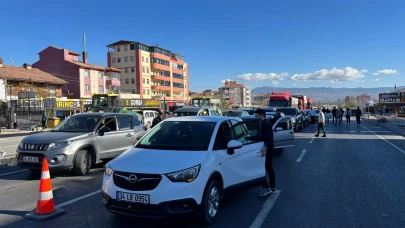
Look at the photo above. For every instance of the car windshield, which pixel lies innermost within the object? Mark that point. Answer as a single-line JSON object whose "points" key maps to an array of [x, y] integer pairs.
{"points": [[179, 135], [185, 113], [278, 103], [288, 111], [77, 124]]}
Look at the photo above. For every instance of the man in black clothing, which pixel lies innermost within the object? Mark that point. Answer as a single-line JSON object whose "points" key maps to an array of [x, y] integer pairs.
{"points": [[334, 111], [268, 151], [162, 116], [275, 118]]}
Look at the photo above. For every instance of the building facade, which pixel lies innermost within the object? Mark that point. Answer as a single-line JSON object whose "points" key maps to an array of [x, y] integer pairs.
{"points": [[363, 99], [236, 94], [83, 79], [149, 72]]}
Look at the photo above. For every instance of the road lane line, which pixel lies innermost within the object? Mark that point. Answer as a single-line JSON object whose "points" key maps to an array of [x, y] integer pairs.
{"points": [[312, 140], [302, 155], [78, 198], [19, 171], [10, 146], [267, 206], [399, 149]]}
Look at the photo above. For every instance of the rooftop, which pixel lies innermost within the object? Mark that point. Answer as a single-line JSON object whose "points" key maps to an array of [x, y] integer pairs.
{"points": [[33, 74], [94, 67], [123, 42]]}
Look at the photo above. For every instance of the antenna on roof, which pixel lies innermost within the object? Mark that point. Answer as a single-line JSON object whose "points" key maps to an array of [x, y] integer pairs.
{"points": [[84, 41], [12, 61]]}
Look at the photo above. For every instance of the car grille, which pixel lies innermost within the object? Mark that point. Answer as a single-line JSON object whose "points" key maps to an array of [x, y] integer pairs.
{"points": [[145, 182], [141, 210], [34, 146]]}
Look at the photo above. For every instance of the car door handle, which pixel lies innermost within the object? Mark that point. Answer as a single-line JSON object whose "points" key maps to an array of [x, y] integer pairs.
{"points": [[129, 135]]}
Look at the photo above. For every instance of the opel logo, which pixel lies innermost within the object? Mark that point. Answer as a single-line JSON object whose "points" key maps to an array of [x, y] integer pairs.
{"points": [[132, 178]]}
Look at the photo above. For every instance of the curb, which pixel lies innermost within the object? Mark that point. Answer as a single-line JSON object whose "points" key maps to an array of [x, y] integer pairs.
{"points": [[387, 126]]}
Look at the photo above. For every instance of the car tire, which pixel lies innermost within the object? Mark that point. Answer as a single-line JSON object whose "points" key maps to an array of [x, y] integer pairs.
{"points": [[210, 202], [82, 163]]}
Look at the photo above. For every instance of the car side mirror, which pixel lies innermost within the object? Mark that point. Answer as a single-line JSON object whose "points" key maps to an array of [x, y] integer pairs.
{"points": [[279, 129], [233, 145]]}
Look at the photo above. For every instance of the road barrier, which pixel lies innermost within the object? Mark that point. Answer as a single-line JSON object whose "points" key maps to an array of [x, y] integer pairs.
{"points": [[45, 205]]}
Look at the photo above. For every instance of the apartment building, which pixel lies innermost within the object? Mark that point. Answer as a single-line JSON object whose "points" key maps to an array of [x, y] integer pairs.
{"points": [[363, 99], [149, 72], [237, 94], [83, 79]]}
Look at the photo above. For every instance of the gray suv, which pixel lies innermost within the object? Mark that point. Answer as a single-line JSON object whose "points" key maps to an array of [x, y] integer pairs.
{"points": [[80, 141]]}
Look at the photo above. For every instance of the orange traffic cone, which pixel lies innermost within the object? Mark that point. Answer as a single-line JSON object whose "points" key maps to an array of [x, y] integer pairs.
{"points": [[45, 204]]}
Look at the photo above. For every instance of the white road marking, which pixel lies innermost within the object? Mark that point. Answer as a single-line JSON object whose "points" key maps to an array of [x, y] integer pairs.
{"points": [[312, 140], [9, 146], [78, 198], [302, 155], [19, 171], [399, 149], [267, 206]]}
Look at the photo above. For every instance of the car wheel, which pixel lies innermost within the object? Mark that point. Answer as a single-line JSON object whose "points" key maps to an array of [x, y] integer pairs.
{"points": [[82, 163], [210, 202]]}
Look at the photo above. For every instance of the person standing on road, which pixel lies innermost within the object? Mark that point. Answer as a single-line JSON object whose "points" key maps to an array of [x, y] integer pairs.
{"points": [[321, 124], [358, 114], [162, 116], [348, 115], [269, 186], [334, 110], [312, 114], [275, 118], [338, 116]]}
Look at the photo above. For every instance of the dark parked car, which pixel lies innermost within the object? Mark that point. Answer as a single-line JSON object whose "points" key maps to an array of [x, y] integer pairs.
{"points": [[295, 115]]}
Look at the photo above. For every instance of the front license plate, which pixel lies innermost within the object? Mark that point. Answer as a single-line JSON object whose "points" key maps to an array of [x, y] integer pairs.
{"points": [[133, 198], [30, 159]]}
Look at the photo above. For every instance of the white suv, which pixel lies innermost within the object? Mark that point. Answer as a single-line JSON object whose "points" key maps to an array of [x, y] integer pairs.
{"points": [[182, 168]]}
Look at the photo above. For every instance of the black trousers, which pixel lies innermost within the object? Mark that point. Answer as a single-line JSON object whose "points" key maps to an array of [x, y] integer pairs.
{"points": [[347, 119], [358, 119], [321, 126], [271, 183], [313, 120], [333, 118]]}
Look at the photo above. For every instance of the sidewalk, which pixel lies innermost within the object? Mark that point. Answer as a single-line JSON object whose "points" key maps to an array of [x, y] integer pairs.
{"points": [[17, 132], [393, 123]]}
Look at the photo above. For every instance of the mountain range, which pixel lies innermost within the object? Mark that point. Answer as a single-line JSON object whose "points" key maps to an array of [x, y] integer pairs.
{"points": [[326, 93]]}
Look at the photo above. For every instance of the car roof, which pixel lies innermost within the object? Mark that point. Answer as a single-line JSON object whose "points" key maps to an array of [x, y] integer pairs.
{"points": [[204, 118], [101, 114]]}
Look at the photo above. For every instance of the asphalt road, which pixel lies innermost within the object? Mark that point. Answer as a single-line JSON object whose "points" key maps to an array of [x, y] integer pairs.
{"points": [[9, 145], [352, 178]]}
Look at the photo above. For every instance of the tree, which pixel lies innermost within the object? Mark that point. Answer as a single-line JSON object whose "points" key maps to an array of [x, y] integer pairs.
{"points": [[225, 104], [26, 86], [351, 104]]}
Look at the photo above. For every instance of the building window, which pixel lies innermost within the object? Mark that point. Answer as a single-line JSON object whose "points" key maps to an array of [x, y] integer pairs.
{"points": [[143, 69], [147, 81], [100, 75], [179, 76], [143, 59], [118, 59], [132, 69], [126, 81], [126, 48], [87, 87], [148, 92], [132, 58], [132, 80], [147, 59], [160, 61], [100, 88], [133, 91], [118, 48], [143, 80], [132, 46], [86, 73], [144, 91], [114, 60], [147, 70], [126, 70], [126, 59]]}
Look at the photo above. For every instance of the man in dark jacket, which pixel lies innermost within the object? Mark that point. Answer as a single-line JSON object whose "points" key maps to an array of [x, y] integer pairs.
{"points": [[334, 111], [275, 118], [269, 186], [162, 116]]}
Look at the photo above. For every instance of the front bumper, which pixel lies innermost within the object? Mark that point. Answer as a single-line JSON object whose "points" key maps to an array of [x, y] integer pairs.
{"points": [[170, 210], [66, 165]]}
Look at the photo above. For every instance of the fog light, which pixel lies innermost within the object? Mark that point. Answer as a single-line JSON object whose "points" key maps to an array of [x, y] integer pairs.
{"points": [[57, 159]]}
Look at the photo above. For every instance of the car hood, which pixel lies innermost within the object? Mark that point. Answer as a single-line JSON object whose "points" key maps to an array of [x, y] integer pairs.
{"points": [[50, 137], [139, 160]]}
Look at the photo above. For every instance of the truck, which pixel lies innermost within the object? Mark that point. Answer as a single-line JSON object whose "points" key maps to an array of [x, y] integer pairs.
{"points": [[282, 99], [302, 101], [309, 103], [205, 101]]}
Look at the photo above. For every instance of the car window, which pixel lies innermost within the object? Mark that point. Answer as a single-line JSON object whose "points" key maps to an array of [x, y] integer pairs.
{"points": [[79, 123], [284, 123], [179, 135], [213, 113], [222, 140], [125, 123], [108, 122], [185, 114], [136, 122], [247, 132]]}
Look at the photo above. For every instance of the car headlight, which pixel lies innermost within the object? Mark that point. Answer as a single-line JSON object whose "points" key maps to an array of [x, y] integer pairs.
{"points": [[58, 145], [108, 170], [293, 120], [186, 175]]}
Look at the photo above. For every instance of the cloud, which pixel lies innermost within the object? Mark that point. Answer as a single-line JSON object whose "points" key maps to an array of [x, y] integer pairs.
{"points": [[273, 77], [362, 81], [295, 85], [399, 78], [376, 80], [225, 80], [386, 72], [334, 75]]}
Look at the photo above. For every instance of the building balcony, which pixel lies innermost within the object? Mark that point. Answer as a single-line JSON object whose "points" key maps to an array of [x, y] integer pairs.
{"points": [[175, 89], [177, 71], [113, 82], [160, 56], [178, 80], [160, 66], [161, 87], [160, 77]]}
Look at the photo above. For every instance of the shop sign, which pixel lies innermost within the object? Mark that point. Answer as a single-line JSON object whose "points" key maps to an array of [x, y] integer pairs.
{"points": [[151, 103], [391, 97]]}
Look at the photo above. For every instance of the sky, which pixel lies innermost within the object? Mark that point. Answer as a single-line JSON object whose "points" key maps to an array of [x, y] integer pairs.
{"points": [[283, 43]]}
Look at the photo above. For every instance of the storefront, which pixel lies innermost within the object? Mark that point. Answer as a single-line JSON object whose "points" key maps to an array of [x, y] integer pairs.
{"points": [[391, 101], [175, 105], [70, 107], [139, 103]]}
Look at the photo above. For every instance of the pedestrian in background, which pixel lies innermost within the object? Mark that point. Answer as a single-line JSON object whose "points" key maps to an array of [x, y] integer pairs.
{"points": [[334, 110], [358, 115], [321, 123], [341, 117], [338, 116], [162, 116], [348, 114], [269, 186]]}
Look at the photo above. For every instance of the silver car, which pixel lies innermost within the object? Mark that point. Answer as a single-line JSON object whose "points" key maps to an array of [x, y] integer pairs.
{"points": [[80, 141]]}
